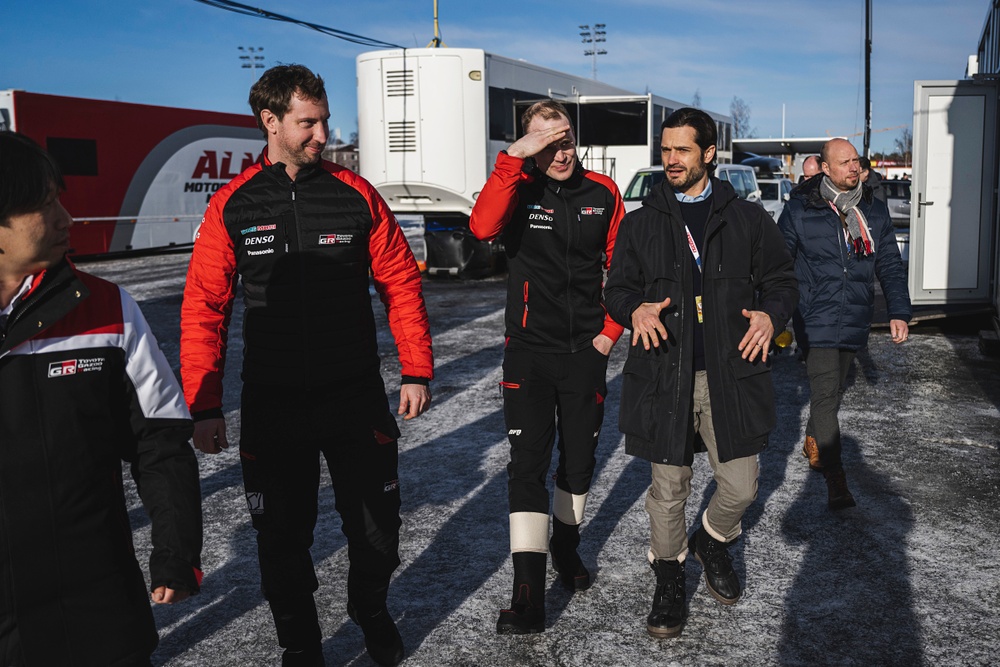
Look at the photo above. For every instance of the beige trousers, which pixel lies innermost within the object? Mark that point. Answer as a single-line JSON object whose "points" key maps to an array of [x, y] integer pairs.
{"points": [[736, 488]]}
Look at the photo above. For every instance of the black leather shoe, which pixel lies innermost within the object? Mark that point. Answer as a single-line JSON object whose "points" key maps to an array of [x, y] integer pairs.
{"points": [[382, 639], [838, 495], [523, 617], [714, 557], [669, 600]]}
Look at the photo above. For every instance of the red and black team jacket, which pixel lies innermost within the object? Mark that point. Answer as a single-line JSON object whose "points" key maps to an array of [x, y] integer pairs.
{"points": [[303, 250], [84, 386], [559, 237]]}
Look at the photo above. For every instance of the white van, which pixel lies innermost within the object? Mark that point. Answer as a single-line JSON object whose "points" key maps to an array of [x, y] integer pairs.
{"points": [[741, 177]]}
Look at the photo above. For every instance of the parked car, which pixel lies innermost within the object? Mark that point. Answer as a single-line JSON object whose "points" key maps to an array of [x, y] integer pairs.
{"points": [[774, 193], [742, 179], [898, 199], [764, 165]]}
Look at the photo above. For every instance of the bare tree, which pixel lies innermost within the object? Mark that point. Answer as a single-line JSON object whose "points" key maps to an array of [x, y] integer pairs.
{"points": [[740, 112], [903, 145], [696, 100]]}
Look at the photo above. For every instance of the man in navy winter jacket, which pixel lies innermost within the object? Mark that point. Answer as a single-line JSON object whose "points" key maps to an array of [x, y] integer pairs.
{"points": [[841, 238]]}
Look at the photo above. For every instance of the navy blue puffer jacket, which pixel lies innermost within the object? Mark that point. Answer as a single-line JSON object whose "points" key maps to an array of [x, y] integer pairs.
{"points": [[836, 287]]}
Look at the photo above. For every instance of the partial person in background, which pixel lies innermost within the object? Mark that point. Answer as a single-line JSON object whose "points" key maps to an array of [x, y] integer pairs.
{"points": [[558, 222], [873, 180], [841, 239], [810, 167], [83, 386], [302, 235]]}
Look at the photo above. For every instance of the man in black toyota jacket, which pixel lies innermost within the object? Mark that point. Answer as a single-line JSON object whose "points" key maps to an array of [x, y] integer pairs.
{"points": [[83, 386], [703, 279], [558, 223]]}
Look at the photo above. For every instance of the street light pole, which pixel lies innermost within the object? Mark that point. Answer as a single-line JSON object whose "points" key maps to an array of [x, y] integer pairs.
{"points": [[592, 37], [252, 61]]}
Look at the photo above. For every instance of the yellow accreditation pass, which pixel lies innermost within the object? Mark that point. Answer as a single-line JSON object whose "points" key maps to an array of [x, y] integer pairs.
{"points": [[697, 302]]}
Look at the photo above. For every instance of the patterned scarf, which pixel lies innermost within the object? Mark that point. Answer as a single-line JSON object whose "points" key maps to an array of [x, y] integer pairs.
{"points": [[855, 225]]}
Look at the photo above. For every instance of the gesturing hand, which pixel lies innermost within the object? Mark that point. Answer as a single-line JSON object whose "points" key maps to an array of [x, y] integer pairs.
{"points": [[646, 324]]}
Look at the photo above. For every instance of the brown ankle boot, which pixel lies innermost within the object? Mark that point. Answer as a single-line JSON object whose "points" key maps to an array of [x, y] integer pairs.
{"points": [[810, 450], [836, 485]]}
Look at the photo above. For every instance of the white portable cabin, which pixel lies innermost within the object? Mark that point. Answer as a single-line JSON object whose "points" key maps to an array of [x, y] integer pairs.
{"points": [[431, 122], [955, 197]]}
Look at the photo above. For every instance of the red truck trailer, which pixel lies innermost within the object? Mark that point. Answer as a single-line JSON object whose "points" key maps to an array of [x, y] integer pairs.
{"points": [[138, 177]]}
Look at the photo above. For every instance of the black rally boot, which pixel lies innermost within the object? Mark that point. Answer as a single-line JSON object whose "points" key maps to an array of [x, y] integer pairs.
{"points": [[526, 614], [366, 605], [669, 600], [297, 626], [382, 639], [565, 540], [714, 557]]}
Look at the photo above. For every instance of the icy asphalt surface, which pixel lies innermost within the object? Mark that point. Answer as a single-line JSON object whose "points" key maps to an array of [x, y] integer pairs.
{"points": [[910, 577]]}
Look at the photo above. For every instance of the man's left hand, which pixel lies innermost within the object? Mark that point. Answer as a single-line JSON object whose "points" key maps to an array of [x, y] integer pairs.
{"points": [[900, 330], [414, 399], [758, 336], [164, 595]]}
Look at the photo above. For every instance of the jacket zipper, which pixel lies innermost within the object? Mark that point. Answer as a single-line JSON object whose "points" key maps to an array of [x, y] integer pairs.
{"points": [[295, 213], [569, 271]]}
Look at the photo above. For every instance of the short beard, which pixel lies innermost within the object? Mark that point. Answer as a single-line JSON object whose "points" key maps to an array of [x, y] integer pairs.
{"points": [[693, 176]]}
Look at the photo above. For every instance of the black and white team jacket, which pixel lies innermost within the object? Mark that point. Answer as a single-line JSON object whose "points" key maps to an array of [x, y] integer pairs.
{"points": [[84, 386]]}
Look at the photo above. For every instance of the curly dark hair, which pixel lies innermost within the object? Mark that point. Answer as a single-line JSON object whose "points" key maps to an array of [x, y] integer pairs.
{"points": [[276, 87]]}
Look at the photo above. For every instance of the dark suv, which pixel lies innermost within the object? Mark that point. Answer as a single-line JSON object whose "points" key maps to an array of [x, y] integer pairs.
{"points": [[897, 195]]}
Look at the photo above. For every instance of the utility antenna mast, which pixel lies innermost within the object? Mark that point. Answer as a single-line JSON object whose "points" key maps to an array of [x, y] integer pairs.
{"points": [[436, 43], [868, 78]]}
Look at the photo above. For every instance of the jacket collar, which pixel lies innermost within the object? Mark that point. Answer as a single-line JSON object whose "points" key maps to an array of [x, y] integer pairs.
{"points": [[277, 169], [662, 197]]}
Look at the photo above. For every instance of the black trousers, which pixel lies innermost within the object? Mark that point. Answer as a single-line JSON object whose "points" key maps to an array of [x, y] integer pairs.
{"points": [[545, 395], [283, 434]]}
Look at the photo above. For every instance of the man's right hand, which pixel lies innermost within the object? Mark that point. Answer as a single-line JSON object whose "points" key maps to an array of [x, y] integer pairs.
{"points": [[210, 435], [646, 323], [535, 142]]}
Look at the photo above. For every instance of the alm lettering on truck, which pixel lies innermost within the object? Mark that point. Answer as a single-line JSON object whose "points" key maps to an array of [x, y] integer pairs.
{"points": [[210, 167]]}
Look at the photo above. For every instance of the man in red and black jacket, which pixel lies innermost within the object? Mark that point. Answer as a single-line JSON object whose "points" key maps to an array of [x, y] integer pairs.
{"points": [[558, 222], [302, 234], [83, 386]]}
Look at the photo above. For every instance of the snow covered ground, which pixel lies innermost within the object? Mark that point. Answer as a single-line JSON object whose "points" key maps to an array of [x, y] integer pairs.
{"points": [[909, 577]]}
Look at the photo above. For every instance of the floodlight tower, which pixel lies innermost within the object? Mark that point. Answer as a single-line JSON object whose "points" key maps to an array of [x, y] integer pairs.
{"points": [[593, 37], [251, 60]]}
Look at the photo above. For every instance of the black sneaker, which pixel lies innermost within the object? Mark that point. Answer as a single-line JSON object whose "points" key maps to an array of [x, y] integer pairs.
{"points": [[714, 557], [382, 639], [666, 619], [523, 618]]}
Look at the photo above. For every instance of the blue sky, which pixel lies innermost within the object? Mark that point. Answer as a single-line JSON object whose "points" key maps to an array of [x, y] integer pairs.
{"points": [[803, 54]]}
